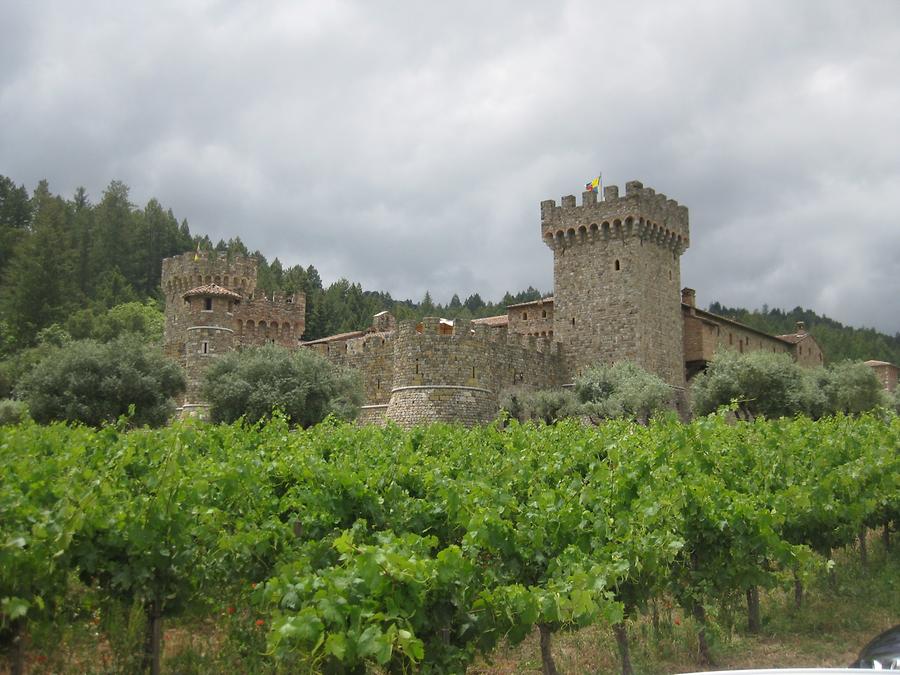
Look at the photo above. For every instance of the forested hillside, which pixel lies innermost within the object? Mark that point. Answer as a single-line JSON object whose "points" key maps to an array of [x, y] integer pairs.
{"points": [[65, 262], [838, 341]]}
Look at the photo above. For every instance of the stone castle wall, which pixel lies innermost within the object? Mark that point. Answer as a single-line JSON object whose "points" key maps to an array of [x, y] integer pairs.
{"points": [[372, 355], [279, 320], [459, 377], [617, 296], [201, 328], [208, 335], [617, 279]]}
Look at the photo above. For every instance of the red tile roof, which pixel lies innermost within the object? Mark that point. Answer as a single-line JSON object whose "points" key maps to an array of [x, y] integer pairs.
{"points": [[345, 336], [542, 301], [502, 320], [213, 290], [793, 338]]}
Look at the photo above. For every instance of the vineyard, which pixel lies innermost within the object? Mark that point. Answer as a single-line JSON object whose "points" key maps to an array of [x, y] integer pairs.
{"points": [[352, 549]]}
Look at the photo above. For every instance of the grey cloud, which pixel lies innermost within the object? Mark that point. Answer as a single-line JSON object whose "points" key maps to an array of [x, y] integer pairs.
{"points": [[407, 145]]}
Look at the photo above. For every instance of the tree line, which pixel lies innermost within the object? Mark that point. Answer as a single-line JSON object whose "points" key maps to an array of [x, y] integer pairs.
{"points": [[66, 261]]}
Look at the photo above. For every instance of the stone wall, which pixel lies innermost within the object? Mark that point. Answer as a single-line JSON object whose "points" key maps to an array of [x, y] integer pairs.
{"points": [[194, 336], [181, 273], [372, 355], [705, 334], [208, 335], [887, 373], [533, 318], [617, 279], [808, 353], [458, 377], [280, 320]]}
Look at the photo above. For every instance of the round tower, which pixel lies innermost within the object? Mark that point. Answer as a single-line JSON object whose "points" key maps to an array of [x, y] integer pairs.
{"points": [[617, 279], [202, 292], [443, 373], [185, 272], [209, 333]]}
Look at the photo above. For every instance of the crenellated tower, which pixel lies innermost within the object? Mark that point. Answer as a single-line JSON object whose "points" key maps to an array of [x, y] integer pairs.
{"points": [[617, 279], [213, 307]]}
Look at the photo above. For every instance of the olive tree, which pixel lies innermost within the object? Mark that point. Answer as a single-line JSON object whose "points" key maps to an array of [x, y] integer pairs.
{"points": [[303, 385], [775, 386], [96, 383], [539, 405], [852, 387], [622, 389]]}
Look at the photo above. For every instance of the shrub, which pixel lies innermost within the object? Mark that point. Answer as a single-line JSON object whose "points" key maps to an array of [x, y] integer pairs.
{"points": [[762, 383], [852, 387], [775, 386], [543, 405], [12, 411], [96, 383], [144, 319], [623, 389], [301, 384]]}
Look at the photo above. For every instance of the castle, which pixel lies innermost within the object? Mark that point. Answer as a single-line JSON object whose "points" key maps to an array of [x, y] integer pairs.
{"points": [[617, 296]]}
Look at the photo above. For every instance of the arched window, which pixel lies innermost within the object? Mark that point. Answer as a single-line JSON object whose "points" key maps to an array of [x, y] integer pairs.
{"points": [[617, 266]]}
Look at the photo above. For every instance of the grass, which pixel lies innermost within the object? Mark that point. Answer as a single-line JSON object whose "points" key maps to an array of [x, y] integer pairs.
{"points": [[838, 618]]}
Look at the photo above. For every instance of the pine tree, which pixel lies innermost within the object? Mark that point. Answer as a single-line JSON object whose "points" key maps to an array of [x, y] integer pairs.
{"points": [[39, 286], [15, 218]]}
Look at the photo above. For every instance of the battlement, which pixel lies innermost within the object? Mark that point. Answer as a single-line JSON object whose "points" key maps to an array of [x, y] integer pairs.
{"points": [[641, 212], [477, 335], [287, 302], [181, 273], [353, 346]]}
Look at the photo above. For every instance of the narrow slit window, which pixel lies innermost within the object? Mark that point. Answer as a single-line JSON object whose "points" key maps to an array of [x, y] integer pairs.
{"points": [[618, 266], [204, 348]]}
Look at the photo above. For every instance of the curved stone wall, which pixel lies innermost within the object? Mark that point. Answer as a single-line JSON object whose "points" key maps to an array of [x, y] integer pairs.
{"points": [[459, 376]]}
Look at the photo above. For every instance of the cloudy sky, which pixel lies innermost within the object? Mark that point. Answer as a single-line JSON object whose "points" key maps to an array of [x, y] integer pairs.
{"points": [[407, 145]]}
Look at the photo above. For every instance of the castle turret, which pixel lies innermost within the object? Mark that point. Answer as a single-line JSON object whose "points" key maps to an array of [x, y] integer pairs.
{"points": [[208, 334], [617, 275], [212, 308], [188, 271]]}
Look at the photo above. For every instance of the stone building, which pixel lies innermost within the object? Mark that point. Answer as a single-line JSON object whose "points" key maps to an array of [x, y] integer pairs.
{"points": [[887, 373], [705, 333], [617, 296], [212, 308]]}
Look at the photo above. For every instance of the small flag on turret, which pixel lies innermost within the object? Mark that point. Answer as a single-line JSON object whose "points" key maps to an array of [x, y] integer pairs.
{"points": [[593, 185], [197, 254]]}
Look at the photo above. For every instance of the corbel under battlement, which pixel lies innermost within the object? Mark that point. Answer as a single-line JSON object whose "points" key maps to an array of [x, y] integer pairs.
{"points": [[641, 212]]}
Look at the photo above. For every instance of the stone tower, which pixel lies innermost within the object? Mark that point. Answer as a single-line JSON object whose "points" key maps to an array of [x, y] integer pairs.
{"points": [[617, 279], [212, 309]]}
